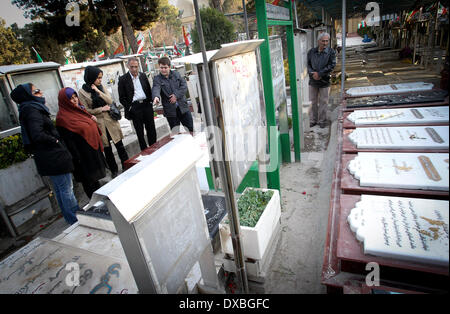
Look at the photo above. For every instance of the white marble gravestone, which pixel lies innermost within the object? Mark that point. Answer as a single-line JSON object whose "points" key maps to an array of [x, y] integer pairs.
{"points": [[402, 228], [400, 116], [389, 89], [422, 171], [419, 137], [49, 267]]}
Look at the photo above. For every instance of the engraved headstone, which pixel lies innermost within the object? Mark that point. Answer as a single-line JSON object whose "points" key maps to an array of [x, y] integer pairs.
{"points": [[417, 171], [432, 96], [46, 266], [419, 137], [389, 89], [401, 116], [402, 228]]}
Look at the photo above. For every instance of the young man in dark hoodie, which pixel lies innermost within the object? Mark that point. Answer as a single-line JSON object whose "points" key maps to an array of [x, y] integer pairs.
{"points": [[41, 138], [170, 89]]}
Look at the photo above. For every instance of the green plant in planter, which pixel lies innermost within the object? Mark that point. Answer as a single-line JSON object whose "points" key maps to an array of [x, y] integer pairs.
{"points": [[12, 151], [251, 205]]}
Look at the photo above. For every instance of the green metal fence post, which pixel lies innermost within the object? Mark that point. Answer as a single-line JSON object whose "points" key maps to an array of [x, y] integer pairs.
{"points": [[273, 178]]}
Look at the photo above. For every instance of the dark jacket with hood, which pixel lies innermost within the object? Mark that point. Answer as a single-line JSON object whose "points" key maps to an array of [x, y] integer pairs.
{"points": [[39, 134]]}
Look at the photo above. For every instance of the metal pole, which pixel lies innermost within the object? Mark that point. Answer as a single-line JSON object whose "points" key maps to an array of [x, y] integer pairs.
{"points": [[344, 31], [224, 167], [295, 12], [246, 19]]}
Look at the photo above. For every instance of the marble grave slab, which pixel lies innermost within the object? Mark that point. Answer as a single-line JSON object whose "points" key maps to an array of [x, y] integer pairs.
{"points": [[423, 137], [416, 171], [388, 89], [419, 115], [46, 266], [402, 228]]}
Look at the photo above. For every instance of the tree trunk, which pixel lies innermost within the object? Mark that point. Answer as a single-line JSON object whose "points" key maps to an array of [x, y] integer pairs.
{"points": [[125, 42], [217, 5], [126, 25]]}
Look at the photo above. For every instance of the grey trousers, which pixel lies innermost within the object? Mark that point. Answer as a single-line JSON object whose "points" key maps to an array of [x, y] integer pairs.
{"points": [[319, 104]]}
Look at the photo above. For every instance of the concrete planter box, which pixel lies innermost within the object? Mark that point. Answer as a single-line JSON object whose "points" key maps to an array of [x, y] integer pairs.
{"points": [[19, 181], [254, 240], [24, 197]]}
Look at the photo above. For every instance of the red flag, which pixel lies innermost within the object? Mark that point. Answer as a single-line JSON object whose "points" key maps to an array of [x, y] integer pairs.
{"points": [[276, 2], [119, 49], [186, 39]]}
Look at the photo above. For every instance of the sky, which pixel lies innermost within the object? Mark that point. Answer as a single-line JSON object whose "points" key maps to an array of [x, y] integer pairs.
{"points": [[12, 14]]}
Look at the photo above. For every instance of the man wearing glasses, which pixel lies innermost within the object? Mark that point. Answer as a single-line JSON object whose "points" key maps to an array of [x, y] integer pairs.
{"points": [[135, 95], [170, 89]]}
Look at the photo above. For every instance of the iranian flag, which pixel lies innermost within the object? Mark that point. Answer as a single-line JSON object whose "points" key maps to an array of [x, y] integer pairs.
{"points": [[140, 38], [411, 14], [38, 57], [150, 38], [119, 49], [441, 10], [141, 42], [101, 54], [178, 52], [140, 49]]}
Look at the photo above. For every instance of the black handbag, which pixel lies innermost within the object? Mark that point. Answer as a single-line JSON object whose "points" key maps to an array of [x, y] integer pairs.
{"points": [[114, 112]]}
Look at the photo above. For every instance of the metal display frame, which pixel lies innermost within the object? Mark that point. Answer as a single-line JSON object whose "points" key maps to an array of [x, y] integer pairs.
{"points": [[266, 19]]}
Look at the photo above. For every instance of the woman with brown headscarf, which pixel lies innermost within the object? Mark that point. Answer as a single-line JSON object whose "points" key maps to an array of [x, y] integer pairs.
{"points": [[82, 136]]}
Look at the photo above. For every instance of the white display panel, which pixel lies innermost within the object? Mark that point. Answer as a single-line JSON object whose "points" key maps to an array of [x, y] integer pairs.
{"points": [[402, 228], [422, 171], [240, 99], [400, 116], [424, 137]]}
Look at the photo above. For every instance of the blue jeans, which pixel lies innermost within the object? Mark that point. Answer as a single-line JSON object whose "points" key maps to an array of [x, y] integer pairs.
{"points": [[62, 184]]}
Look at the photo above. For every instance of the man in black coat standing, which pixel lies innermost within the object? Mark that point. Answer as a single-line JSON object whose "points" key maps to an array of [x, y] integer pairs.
{"points": [[135, 95]]}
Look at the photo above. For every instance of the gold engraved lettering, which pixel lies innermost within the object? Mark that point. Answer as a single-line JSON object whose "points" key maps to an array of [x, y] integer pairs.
{"points": [[417, 114], [429, 168], [433, 222], [434, 135]]}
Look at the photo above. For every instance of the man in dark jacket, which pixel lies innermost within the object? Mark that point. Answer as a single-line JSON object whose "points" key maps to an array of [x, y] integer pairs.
{"points": [[50, 154], [135, 95], [170, 88], [321, 62]]}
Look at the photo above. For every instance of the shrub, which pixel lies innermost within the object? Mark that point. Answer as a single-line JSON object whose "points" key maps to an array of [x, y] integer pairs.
{"points": [[251, 205], [12, 151], [217, 30]]}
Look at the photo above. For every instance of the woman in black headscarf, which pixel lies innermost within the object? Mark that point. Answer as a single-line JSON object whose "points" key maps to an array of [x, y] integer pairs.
{"points": [[97, 100], [50, 154]]}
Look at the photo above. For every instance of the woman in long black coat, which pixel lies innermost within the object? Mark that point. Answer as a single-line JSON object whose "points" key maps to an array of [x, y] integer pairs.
{"points": [[79, 130], [51, 156]]}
